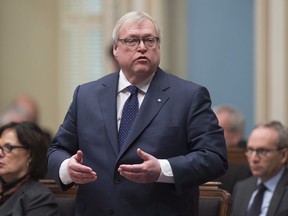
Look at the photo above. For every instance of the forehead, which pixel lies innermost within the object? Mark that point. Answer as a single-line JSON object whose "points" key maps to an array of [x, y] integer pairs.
{"points": [[8, 135], [263, 137], [145, 27], [223, 117]]}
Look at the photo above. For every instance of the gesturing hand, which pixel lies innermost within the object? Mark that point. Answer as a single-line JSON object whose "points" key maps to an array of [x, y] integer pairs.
{"points": [[79, 173], [146, 172]]}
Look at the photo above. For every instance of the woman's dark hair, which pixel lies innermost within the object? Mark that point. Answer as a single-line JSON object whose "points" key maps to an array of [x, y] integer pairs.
{"points": [[31, 136]]}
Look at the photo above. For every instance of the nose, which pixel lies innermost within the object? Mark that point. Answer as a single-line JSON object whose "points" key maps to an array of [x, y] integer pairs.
{"points": [[141, 46], [254, 156], [1, 152]]}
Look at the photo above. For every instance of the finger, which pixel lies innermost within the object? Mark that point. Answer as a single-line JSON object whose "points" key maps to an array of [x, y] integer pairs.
{"points": [[76, 174], [81, 168], [74, 165], [81, 178], [135, 168], [79, 156], [145, 156], [138, 178]]}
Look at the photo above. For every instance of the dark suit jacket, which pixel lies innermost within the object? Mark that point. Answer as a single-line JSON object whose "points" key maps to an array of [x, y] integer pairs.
{"points": [[235, 173], [243, 191], [175, 122], [31, 199]]}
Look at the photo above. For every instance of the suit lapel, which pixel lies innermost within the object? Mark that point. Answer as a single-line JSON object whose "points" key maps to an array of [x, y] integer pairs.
{"points": [[280, 190], [251, 187], [108, 103], [154, 100]]}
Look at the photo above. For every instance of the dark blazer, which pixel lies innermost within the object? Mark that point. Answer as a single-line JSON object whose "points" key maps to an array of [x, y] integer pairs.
{"points": [[175, 122], [243, 191], [235, 173], [31, 199]]}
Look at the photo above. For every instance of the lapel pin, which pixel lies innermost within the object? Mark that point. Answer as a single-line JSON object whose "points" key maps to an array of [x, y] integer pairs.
{"points": [[159, 100]]}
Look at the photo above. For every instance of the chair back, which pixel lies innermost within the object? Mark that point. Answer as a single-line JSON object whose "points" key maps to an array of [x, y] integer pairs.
{"points": [[64, 199], [214, 201]]}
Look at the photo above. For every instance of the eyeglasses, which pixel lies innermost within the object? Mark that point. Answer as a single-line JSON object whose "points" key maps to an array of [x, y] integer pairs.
{"points": [[7, 148], [134, 42], [261, 152]]}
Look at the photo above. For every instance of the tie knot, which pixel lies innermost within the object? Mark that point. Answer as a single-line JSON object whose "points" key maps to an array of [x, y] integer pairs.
{"points": [[133, 89], [261, 187]]}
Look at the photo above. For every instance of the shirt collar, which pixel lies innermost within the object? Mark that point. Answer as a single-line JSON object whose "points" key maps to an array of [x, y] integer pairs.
{"points": [[272, 182], [123, 83]]}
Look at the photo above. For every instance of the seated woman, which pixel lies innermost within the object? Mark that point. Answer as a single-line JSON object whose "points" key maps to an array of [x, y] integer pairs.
{"points": [[23, 151]]}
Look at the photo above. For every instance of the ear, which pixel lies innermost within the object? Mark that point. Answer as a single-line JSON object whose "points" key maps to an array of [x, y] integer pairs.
{"points": [[29, 158], [115, 53], [284, 156], [28, 162]]}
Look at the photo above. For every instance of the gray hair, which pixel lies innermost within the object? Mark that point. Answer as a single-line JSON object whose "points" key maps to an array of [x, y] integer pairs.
{"points": [[133, 17], [280, 129], [14, 114], [236, 120]]}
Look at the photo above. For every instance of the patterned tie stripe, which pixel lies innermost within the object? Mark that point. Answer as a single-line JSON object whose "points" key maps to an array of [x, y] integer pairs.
{"points": [[129, 113], [255, 208]]}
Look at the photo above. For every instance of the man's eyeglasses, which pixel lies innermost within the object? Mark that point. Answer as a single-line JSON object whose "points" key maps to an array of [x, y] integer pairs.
{"points": [[134, 42], [261, 152], [7, 148]]}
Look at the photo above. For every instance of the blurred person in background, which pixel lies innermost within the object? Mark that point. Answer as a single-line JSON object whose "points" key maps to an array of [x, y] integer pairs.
{"points": [[233, 123], [13, 114], [23, 151], [267, 153], [29, 105], [23, 108]]}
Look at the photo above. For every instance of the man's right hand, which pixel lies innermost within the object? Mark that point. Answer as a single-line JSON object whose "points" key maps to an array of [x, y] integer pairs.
{"points": [[79, 173]]}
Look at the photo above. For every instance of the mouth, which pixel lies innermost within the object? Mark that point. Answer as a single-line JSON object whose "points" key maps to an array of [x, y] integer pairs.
{"points": [[142, 59], [256, 168]]}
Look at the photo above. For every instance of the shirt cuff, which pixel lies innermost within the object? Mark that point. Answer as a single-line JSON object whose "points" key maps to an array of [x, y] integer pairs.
{"points": [[63, 173], [166, 175]]}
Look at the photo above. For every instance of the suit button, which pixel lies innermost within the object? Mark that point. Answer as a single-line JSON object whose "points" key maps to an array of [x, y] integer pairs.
{"points": [[116, 181]]}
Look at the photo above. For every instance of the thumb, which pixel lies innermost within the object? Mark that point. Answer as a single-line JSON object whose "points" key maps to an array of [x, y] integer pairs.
{"points": [[79, 156], [145, 156]]}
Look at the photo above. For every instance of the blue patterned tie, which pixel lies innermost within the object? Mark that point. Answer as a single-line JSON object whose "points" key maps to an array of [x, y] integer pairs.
{"points": [[255, 208], [129, 113]]}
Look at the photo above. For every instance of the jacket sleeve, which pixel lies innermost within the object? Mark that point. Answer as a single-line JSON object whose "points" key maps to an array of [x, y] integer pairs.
{"points": [[206, 158]]}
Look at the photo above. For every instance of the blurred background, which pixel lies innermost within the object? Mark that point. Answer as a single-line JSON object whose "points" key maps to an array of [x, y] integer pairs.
{"points": [[236, 48]]}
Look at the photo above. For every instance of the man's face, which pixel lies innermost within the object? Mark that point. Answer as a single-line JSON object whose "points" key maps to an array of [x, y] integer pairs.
{"points": [[268, 164], [140, 61]]}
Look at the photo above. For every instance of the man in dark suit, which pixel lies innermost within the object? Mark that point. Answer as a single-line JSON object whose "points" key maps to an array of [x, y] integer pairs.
{"points": [[267, 156], [174, 144]]}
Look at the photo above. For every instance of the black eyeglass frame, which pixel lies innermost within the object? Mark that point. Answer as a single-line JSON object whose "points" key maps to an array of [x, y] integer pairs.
{"points": [[260, 152], [133, 42], [8, 148]]}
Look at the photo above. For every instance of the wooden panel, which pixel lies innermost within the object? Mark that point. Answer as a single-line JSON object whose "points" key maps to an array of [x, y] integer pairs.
{"points": [[236, 156], [51, 184], [211, 191]]}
